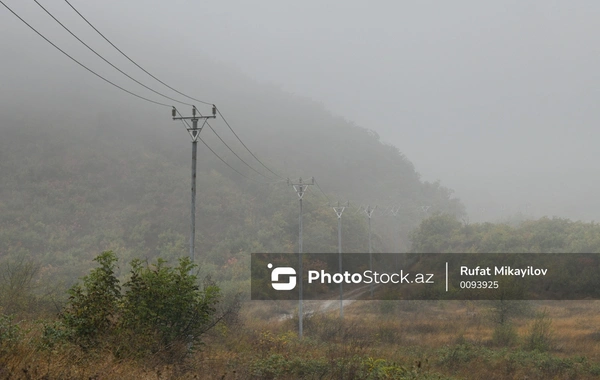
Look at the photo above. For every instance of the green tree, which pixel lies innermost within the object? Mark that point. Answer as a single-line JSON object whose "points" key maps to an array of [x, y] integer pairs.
{"points": [[94, 306], [164, 306], [435, 234], [162, 309], [17, 285]]}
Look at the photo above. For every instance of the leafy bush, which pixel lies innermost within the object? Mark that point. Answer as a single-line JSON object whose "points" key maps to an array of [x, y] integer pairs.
{"points": [[504, 335], [53, 334], [163, 306], [10, 333], [162, 309], [19, 287], [458, 355], [540, 334], [276, 365], [375, 369], [93, 307]]}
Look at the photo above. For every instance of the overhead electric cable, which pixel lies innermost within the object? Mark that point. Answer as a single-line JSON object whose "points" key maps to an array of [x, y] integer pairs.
{"points": [[235, 134], [131, 60], [232, 151], [165, 84], [145, 86], [185, 123], [79, 63], [106, 60], [319, 187], [228, 147]]}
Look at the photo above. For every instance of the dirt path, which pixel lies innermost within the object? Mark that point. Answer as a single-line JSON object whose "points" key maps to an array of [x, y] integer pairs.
{"points": [[319, 307]]}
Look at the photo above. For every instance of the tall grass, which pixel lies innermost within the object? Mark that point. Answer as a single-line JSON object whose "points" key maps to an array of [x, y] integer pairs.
{"points": [[431, 340]]}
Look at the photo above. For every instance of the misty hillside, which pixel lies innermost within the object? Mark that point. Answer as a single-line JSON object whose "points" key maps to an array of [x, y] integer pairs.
{"points": [[92, 181]]}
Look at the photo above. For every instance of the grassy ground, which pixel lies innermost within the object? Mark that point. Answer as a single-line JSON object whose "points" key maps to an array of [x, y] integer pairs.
{"points": [[376, 340]]}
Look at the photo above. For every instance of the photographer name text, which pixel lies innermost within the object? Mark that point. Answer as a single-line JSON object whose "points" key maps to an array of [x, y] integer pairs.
{"points": [[503, 271]]}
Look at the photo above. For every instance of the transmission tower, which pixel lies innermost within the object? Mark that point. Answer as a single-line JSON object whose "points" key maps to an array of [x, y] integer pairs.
{"points": [[300, 188], [393, 211], [339, 210], [369, 211], [194, 132]]}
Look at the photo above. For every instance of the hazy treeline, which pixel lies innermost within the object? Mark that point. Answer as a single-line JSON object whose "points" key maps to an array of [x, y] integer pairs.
{"points": [[446, 234]]}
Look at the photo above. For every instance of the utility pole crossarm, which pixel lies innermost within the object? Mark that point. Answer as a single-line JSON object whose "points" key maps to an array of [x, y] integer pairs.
{"points": [[369, 210], [394, 211], [339, 210], [194, 131]]}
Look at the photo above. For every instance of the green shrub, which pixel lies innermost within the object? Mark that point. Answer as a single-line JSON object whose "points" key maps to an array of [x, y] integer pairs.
{"points": [[164, 306], [458, 355], [375, 369], [540, 333], [93, 307], [10, 333], [17, 286], [504, 335], [53, 334], [162, 310], [276, 366]]}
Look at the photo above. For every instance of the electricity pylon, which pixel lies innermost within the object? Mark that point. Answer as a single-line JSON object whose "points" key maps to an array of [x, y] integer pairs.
{"points": [[369, 211], [339, 210], [300, 188], [194, 132], [394, 210]]}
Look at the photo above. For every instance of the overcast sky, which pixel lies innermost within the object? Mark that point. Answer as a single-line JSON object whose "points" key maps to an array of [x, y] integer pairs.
{"points": [[498, 100]]}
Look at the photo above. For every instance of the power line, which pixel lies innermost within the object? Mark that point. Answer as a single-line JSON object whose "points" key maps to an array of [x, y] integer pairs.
{"points": [[179, 92], [138, 82], [219, 157], [225, 162], [105, 60], [248, 165], [185, 123], [232, 151], [235, 134], [319, 187], [79, 63], [131, 60]]}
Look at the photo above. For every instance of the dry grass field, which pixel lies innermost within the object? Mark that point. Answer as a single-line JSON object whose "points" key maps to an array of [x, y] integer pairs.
{"points": [[376, 340]]}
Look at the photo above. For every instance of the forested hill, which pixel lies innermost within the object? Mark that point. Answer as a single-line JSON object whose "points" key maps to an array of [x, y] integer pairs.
{"points": [[98, 176]]}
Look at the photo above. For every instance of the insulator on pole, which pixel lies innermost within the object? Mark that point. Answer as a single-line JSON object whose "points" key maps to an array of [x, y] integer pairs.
{"points": [[214, 110], [174, 112]]}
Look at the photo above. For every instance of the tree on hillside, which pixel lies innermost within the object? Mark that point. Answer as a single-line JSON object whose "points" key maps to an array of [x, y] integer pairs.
{"points": [[436, 234]]}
